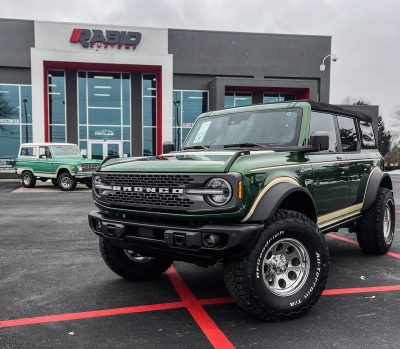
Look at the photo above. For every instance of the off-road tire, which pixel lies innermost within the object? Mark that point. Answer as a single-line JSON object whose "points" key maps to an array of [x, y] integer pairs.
{"points": [[118, 261], [64, 178], [88, 183], [245, 281], [370, 229], [28, 180]]}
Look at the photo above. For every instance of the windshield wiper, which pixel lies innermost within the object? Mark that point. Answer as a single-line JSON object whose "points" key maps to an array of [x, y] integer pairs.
{"points": [[250, 145]]}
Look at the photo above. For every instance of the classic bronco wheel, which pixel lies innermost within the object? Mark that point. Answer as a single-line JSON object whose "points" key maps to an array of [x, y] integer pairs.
{"points": [[375, 230], [131, 265], [285, 274], [66, 182], [28, 180]]}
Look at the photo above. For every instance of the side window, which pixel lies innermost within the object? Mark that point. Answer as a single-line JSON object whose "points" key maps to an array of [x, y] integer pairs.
{"points": [[44, 152], [348, 133], [28, 151], [324, 122], [367, 135]]}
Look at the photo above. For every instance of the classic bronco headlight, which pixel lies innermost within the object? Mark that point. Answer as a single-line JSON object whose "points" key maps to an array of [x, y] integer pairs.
{"points": [[80, 168], [222, 192]]}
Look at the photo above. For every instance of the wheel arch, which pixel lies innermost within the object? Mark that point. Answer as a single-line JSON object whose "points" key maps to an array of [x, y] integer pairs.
{"points": [[62, 170], [284, 196], [376, 180]]}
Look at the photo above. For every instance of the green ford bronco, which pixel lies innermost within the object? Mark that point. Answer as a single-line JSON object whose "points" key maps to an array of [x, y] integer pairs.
{"points": [[60, 162], [254, 188]]}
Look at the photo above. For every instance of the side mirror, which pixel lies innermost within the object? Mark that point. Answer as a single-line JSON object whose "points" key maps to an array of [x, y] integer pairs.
{"points": [[168, 147], [319, 140]]}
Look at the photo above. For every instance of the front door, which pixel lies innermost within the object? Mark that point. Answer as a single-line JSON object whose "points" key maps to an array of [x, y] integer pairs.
{"points": [[99, 150]]}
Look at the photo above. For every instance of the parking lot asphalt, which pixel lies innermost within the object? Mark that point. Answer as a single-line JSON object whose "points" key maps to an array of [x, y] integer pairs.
{"points": [[56, 291]]}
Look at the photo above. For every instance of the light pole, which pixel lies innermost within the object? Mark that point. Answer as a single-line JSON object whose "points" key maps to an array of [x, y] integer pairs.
{"points": [[26, 121], [333, 59]]}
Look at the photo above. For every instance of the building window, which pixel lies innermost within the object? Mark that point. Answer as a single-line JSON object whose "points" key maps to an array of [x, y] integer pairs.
{"points": [[15, 121], [237, 99], [149, 105], [278, 97], [56, 93], [187, 106], [104, 114]]}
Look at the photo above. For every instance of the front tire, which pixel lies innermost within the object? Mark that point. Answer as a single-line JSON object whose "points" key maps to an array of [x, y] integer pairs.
{"points": [[28, 180], [66, 182], [375, 230], [130, 265], [286, 272]]}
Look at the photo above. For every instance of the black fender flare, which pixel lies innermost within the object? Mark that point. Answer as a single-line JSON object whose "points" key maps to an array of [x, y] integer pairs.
{"points": [[276, 195], [376, 180]]}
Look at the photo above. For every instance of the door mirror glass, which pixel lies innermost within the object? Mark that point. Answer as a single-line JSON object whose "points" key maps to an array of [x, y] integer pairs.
{"points": [[168, 147], [319, 140]]}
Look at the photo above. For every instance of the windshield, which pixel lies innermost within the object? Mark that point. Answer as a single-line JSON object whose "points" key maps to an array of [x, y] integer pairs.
{"points": [[278, 127], [65, 150]]}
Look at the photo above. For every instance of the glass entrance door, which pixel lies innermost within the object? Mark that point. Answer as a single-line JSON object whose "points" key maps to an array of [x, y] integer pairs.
{"points": [[101, 149]]}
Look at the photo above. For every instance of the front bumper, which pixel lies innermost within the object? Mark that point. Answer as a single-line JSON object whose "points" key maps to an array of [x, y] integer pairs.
{"points": [[179, 242]]}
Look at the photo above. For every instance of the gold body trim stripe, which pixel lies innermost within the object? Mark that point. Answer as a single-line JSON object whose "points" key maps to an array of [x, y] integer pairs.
{"points": [[311, 163], [333, 217], [323, 220], [265, 189]]}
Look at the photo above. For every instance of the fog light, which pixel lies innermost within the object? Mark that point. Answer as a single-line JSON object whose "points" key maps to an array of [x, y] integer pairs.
{"points": [[98, 225], [211, 240]]}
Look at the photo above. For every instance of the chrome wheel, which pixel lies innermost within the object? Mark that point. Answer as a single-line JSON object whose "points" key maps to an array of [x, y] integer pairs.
{"points": [[66, 182], [387, 224], [27, 179], [286, 266], [136, 257]]}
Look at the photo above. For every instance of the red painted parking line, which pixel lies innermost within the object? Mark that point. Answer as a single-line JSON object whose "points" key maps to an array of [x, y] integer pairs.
{"points": [[354, 242], [357, 290], [90, 314], [216, 337]]}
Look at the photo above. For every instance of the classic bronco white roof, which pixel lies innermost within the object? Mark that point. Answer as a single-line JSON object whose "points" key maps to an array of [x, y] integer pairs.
{"points": [[45, 144]]}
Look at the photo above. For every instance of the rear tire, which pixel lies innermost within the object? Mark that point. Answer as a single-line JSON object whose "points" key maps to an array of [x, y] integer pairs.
{"points": [[130, 265], [286, 272], [375, 230], [88, 183], [66, 182], [28, 180]]}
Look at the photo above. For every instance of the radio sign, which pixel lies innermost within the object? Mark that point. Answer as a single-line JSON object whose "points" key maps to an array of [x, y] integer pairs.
{"points": [[95, 38]]}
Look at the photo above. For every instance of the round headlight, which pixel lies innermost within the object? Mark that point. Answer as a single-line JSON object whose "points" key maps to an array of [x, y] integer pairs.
{"points": [[224, 195], [80, 168]]}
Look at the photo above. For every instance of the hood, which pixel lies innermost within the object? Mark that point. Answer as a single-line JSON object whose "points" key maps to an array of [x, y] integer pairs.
{"points": [[198, 161], [75, 160]]}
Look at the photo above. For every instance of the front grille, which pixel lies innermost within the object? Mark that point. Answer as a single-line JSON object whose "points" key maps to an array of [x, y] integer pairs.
{"points": [[153, 180], [149, 199], [89, 167]]}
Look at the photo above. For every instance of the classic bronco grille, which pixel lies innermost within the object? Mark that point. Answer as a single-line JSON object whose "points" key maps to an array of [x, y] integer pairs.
{"points": [[89, 167], [149, 199], [153, 180]]}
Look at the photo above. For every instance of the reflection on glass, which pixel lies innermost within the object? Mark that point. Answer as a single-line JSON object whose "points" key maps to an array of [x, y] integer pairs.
{"points": [[26, 104], [149, 141], [112, 149], [57, 133], [126, 99], [278, 97], [105, 132], [126, 149], [104, 90], [56, 97], [149, 111], [9, 140], [237, 99], [98, 116], [82, 98], [188, 105], [97, 151]]}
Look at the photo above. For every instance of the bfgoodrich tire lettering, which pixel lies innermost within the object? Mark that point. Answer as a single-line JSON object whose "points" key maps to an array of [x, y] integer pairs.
{"points": [[373, 235], [122, 263], [244, 278]]}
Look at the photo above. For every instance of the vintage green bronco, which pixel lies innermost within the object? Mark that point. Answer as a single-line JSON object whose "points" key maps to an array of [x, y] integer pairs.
{"points": [[254, 188], [60, 162]]}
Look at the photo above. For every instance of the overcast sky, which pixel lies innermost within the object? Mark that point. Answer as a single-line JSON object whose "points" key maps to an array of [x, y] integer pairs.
{"points": [[365, 33]]}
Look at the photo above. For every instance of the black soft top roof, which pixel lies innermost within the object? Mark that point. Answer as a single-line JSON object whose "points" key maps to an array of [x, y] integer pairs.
{"points": [[333, 109]]}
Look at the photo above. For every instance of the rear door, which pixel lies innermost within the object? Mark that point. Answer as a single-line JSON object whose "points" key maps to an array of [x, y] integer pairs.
{"points": [[354, 158], [330, 174]]}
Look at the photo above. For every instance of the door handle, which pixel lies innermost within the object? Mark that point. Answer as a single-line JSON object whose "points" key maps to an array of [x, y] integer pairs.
{"points": [[339, 157]]}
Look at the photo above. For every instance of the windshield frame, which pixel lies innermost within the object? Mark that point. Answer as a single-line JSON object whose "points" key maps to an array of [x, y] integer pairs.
{"points": [[295, 142], [65, 146]]}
